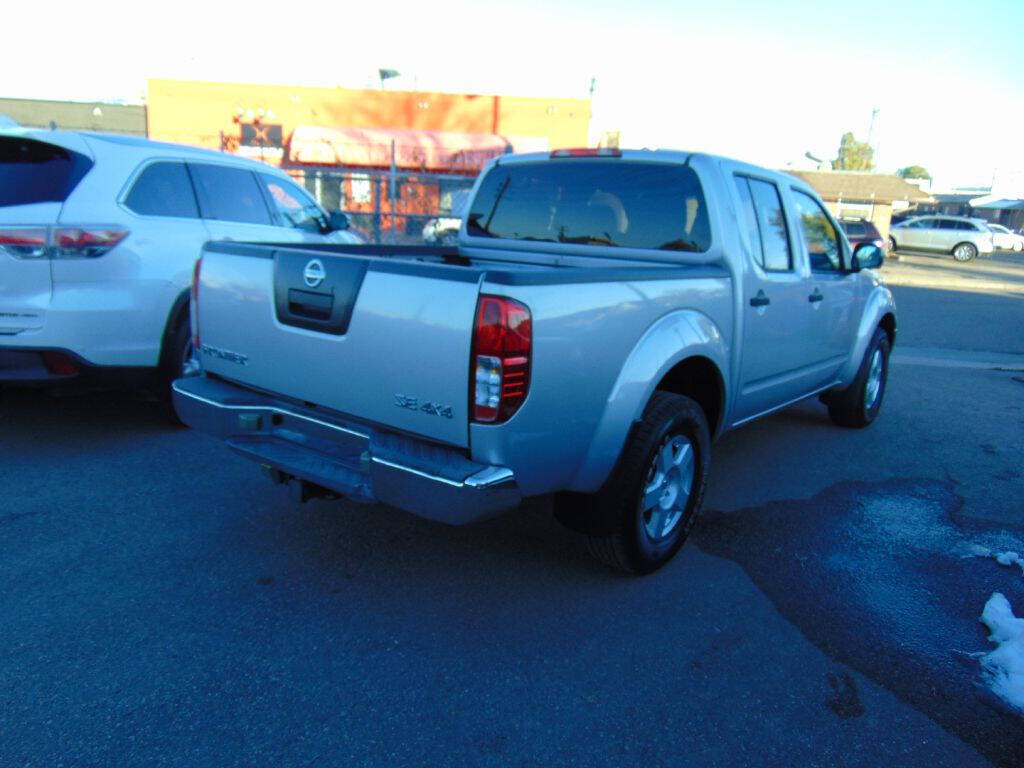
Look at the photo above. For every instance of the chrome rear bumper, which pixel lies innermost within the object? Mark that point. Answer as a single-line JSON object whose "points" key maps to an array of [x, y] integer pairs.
{"points": [[359, 461]]}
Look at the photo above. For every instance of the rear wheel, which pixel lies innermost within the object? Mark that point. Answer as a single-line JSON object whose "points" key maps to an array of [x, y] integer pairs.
{"points": [[891, 244], [964, 252], [179, 358], [644, 512]]}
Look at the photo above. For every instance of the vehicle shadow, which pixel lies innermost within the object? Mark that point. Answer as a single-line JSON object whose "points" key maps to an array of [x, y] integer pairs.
{"points": [[88, 412]]}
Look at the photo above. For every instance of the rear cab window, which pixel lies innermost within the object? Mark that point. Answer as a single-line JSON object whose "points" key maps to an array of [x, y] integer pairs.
{"points": [[37, 172], [585, 201]]}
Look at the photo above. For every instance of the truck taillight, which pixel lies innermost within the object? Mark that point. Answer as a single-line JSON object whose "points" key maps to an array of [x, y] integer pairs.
{"points": [[500, 362], [194, 306]]}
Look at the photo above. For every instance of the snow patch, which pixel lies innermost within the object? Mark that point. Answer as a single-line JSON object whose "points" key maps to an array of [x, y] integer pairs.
{"points": [[1009, 559], [1004, 667]]}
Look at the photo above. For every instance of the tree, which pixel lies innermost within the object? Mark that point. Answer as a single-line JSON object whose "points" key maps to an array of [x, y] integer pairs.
{"points": [[854, 155], [914, 172]]}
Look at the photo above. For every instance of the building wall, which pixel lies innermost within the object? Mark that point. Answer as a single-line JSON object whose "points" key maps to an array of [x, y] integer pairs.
{"points": [[197, 112], [77, 115]]}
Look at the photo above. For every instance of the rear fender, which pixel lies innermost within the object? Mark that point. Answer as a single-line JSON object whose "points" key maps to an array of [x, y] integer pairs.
{"points": [[670, 340]]}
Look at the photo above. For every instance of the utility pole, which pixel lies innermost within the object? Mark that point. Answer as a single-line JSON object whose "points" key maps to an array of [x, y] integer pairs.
{"points": [[871, 126]]}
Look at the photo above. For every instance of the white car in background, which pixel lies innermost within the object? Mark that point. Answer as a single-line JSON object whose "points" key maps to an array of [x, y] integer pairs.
{"points": [[1005, 239], [444, 230], [962, 237], [99, 236]]}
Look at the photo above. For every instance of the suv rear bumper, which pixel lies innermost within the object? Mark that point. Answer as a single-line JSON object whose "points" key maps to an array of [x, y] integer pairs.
{"points": [[360, 461]]}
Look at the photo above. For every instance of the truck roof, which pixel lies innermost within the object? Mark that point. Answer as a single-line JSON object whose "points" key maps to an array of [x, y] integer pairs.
{"points": [[664, 156]]}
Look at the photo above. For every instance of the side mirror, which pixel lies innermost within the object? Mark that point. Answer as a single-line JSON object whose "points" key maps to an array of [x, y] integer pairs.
{"points": [[337, 220], [868, 256]]}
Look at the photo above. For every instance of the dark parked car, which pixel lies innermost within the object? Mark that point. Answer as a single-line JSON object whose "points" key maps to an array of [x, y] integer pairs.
{"points": [[861, 231]]}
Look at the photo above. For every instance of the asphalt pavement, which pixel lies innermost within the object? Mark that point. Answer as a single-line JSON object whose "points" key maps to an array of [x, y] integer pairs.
{"points": [[163, 604]]}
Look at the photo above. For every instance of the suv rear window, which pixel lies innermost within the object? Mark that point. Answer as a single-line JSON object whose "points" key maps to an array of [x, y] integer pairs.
{"points": [[593, 202], [36, 172]]}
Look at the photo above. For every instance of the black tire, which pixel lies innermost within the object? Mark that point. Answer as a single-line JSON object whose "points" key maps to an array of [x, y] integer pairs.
{"points": [[853, 407], [619, 528], [892, 245], [177, 349], [964, 252]]}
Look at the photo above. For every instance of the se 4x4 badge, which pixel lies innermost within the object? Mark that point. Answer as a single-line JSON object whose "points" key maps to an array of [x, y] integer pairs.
{"points": [[413, 404]]}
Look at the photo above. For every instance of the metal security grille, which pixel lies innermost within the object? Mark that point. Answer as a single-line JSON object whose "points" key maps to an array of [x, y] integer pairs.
{"points": [[384, 206]]}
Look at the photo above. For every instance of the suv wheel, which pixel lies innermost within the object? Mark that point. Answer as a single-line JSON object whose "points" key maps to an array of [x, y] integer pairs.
{"points": [[965, 252], [642, 515], [179, 358]]}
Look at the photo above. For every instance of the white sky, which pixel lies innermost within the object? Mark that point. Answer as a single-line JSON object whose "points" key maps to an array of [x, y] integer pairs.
{"points": [[764, 82]]}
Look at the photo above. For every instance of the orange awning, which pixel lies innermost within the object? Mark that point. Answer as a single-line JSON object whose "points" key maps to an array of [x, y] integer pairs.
{"points": [[414, 150]]}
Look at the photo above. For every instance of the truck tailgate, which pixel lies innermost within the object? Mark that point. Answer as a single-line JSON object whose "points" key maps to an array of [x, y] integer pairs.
{"points": [[383, 340]]}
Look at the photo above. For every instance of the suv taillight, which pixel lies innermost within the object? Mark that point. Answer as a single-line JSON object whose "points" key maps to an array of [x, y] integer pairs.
{"points": [[86, 242], [194, 306], [500, 360], [25, 242]]}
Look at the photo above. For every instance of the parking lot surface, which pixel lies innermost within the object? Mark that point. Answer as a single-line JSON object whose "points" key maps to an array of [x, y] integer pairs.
{"points": [[164, 604]]}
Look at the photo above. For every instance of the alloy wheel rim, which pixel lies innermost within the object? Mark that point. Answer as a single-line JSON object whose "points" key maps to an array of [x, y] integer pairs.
{"points": [[963, 253], [669, 483], [874, 383]]}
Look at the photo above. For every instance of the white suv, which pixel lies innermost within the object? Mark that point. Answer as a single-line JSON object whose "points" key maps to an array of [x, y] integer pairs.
{"points": [[961, 237], [99, 235]]}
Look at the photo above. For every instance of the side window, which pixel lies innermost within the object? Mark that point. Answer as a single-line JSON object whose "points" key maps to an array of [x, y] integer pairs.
{"points": [[948, 224], [294, 206], [771, 222], [750, 217], [229, 194], [819, 234], [163, 189], [855, 228]]}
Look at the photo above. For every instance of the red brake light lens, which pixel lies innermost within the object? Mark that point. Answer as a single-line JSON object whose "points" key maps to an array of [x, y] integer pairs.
{"points": [[59, 363], [502, 340], [587, 152], [75, 242], [24, 242]]}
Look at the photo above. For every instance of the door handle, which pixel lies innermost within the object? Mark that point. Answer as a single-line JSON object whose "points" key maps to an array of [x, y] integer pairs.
{"points": [[816, 296], [760, 300]]}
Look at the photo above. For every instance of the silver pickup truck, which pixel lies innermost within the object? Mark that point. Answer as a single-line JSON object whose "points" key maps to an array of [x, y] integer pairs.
{"points": [[603, 318]]}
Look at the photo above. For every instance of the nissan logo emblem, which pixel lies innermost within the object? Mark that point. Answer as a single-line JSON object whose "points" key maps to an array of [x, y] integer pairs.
{"points": [[314, 273]]}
